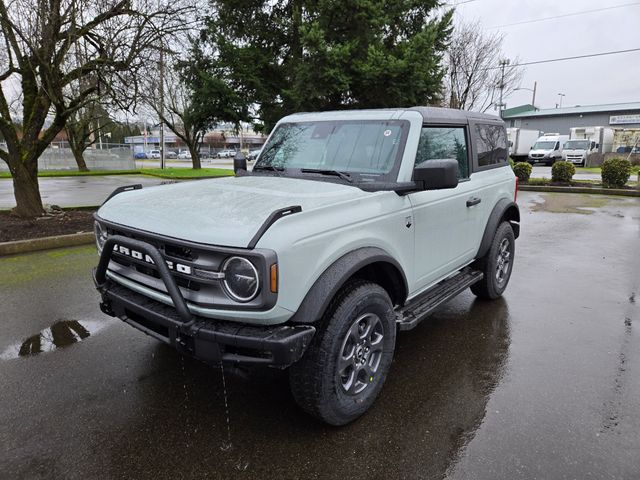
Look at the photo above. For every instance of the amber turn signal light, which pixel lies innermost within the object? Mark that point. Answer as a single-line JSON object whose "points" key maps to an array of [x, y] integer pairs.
{"points": [[274, 278]]}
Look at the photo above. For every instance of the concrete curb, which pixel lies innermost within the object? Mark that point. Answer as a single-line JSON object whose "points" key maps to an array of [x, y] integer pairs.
{"points": [[46, 243], [594, 191]]}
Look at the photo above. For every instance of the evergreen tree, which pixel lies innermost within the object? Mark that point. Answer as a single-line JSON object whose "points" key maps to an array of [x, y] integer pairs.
{"points": [[298, 55]]}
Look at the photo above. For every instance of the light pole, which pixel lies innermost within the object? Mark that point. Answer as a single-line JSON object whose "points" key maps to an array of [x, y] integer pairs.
{"points": [[561, 95], [535, 86]]}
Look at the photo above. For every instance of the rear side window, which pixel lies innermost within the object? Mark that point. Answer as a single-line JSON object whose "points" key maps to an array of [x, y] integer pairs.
{"points": [[491, 144], [438, 143]]}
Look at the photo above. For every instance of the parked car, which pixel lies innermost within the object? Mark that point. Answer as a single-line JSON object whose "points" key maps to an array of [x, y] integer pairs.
{"points": [[227, 153], [155, 154], [253, 154], [140, 155], [352, 226], [171, 154], [184, 155]]}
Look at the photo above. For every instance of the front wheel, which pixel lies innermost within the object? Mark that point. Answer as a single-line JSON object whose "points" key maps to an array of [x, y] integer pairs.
{"points": [[496, 264], [346, 365]]}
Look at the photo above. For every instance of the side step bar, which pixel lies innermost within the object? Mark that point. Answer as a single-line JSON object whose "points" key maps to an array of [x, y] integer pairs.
{"points": [[420, 307]]}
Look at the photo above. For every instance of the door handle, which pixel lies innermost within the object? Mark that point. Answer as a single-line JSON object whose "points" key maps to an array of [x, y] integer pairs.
{"points": [[473, 201]]}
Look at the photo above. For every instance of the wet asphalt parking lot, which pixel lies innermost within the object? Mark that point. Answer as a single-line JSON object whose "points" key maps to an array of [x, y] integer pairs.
{"points": [[544, 383]]}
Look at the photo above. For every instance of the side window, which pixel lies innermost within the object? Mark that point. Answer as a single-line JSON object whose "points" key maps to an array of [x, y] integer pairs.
{"points": [[491, 143], [438, 143]]}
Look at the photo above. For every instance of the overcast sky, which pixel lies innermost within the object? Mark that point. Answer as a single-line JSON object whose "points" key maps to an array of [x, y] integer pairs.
{"points": [[589, 81]]}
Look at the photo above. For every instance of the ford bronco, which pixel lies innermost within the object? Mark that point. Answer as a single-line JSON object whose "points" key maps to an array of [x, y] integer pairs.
{"points": [[352, 226]]}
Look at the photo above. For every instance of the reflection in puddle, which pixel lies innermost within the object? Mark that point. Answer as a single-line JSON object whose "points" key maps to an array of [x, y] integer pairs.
{"points": [[59, 335]]}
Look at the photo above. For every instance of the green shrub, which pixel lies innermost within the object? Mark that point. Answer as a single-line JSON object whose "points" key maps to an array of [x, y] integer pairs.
{"points": [[522, 171], [511, 162], [562, 172], [615, 172]]}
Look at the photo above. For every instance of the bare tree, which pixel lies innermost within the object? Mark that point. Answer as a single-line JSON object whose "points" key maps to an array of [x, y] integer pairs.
{"points": [[83, 128], [39, 60], [474, 76], [174, 103]]}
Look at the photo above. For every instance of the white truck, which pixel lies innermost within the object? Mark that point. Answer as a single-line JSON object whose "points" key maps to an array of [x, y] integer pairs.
{"points": [[521, 141], [586, 140], [547, 149]]}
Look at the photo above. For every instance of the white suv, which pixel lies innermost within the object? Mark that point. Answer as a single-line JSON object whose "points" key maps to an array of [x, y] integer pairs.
{"points": [[352, 226]]}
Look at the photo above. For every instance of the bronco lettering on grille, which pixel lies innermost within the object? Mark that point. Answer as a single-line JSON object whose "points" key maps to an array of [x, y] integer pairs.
{"points": [[128, 252]]}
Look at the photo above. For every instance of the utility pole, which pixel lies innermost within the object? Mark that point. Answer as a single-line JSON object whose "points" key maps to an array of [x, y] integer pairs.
{"points": [[503, 64], [533, 100], [161, 106]]}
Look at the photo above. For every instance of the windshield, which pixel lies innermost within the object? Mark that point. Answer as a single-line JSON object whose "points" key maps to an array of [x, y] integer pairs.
{"points": [[544, 146], [577, 145], [368, 150]]}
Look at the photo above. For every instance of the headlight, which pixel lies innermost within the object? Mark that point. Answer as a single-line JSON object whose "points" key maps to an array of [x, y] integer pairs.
{"points": [[241, 280], [101, 235]]}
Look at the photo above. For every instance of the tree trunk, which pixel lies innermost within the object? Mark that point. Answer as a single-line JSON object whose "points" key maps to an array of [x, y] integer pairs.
{"points": [[26, 189], [77, 154], [195, 158]]}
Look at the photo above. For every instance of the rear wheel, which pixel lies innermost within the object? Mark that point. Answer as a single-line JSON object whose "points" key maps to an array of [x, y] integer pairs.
{"points": [[346, 365], [496, 264]]}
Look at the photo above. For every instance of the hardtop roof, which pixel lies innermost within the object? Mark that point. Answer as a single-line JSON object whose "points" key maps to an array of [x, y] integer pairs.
{"points": [[453, 115], [429, 114]]}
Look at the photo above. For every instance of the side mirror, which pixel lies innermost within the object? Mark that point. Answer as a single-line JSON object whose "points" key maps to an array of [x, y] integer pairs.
{"points": [[436, 174], [239, 162]]}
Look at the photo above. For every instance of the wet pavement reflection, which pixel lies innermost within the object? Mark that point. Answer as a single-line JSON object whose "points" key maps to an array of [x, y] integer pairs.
{"points": [[59, 335], [540, 384]]}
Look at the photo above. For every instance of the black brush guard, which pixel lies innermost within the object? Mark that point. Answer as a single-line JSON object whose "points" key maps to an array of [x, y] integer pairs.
{"points": [[211, 341]]}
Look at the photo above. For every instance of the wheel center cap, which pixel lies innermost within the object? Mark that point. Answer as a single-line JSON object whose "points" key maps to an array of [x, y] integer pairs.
{"points": [[360, 353]]}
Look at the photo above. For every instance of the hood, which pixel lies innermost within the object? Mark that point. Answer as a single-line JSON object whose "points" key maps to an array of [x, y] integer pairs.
{"points": [[224, 211]]}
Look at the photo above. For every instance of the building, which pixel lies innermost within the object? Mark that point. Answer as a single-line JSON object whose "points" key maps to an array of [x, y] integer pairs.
{"points": [[221, 138], [624, 118]]}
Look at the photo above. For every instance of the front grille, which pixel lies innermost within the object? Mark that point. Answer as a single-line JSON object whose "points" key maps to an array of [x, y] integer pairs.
{"points": [[182, 253], [204, 292], [145, 273]]}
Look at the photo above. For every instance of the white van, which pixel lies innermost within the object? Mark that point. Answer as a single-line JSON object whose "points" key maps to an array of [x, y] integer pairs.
{"points": [[547, 149], [586, 140]]}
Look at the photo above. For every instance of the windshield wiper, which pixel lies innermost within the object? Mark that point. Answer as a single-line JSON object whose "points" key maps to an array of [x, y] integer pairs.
{"points": [[336, 173], [270, 168]]}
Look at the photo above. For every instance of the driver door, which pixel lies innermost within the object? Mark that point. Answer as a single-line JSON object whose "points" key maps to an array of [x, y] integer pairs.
{"points": [[444, 219]]}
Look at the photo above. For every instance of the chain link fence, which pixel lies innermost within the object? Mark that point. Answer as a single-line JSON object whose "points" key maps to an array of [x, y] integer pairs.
{"points": [[108, 156]]}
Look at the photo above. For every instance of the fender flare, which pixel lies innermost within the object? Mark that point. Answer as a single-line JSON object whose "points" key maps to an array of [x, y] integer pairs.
{"points": [[329, 283], [505, 209]]}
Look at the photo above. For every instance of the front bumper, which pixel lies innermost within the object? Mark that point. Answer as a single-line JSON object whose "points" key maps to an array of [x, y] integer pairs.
{"points": [[538, 159], [208, 340]]}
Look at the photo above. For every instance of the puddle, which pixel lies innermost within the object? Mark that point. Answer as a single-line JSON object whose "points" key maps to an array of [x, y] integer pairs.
{"points": [[61, 334], [574, 203]]}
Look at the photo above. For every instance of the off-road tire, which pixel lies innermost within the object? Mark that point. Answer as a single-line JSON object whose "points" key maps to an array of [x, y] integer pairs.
{"points": [[315, 381], [493, 284]]}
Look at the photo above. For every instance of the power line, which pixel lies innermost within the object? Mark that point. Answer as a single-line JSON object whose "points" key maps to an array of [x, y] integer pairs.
{"points": [[565, 15], [562, 59], [459, 3]]}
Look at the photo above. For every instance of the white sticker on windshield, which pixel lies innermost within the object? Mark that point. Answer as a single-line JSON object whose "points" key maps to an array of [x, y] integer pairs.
{"points": [[387, 133]]}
